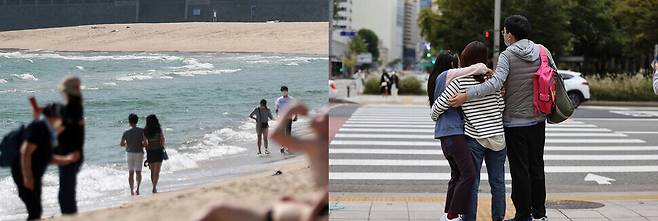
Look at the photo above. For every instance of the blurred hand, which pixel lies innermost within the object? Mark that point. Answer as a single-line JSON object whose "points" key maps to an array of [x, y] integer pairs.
{"points": [[489, 74], [503, 91], [297, 109], [457, 100]]}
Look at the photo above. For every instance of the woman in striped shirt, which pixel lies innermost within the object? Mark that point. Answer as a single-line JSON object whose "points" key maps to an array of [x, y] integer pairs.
{"points": [[483, 126]]}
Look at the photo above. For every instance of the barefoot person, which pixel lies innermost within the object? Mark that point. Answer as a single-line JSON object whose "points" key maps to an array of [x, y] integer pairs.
{"points": [[154, 148], [524, 127], [71, 140], [36, 153], [133, 140], [315, 207], [281, 104], [483, 129], [262, 115]]}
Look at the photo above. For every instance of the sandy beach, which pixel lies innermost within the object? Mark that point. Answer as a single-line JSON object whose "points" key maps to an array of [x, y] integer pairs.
{"points": [[261, 189], [287, 38]]}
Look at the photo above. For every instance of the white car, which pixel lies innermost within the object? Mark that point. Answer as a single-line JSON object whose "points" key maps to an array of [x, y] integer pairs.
{"points": [[577, 86]]}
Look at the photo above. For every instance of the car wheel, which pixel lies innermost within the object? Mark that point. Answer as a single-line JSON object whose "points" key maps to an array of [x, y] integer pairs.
{"points": [[576, 99]]}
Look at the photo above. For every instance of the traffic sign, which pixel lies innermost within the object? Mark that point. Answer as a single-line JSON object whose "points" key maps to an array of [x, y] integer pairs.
{"points": [[348, 33]]}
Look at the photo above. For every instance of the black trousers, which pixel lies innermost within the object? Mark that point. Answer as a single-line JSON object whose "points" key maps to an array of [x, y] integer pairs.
{"points": [[525, 153], [31, 199], [462, 173], [289, 128], [67, 184]]}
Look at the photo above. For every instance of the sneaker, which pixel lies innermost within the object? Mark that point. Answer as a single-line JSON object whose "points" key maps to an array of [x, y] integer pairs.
{"points": [[545, 218], [444, 217], [460, 217], [267, 152]]}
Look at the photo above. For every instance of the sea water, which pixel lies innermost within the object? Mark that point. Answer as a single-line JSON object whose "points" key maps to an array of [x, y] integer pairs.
{"points": [[202, 100]]}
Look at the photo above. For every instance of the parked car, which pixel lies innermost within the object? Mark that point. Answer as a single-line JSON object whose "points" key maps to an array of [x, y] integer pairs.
{"points": [[333, 90], [577, 87]]}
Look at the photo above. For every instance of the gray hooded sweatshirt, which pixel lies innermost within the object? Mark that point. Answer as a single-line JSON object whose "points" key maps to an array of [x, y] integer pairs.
{"points": [[515, 68]]}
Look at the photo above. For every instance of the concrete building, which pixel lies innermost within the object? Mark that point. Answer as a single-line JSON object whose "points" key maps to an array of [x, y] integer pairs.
{"points": [[412, 39], [386, 19], [27, 14]]}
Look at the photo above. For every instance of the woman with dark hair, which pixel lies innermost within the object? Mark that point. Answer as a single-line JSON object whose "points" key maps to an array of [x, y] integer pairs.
{"points": [[154, 148], [483, 129], [262, 115]]}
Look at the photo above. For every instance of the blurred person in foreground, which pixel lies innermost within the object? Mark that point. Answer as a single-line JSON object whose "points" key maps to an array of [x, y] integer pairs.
{"points": [[315, 207]]}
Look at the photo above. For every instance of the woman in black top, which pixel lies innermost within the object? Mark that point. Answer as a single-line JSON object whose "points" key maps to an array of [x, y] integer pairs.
{"points": [[71, 140], [262, 115], [154, 148]]}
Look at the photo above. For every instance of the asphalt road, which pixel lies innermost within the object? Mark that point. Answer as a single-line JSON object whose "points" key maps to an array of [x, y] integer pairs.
{"points": [[390, 149]]}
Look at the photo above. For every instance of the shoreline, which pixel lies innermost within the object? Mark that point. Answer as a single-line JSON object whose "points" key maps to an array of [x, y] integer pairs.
{"points": [[304, 38], [188, 202]]}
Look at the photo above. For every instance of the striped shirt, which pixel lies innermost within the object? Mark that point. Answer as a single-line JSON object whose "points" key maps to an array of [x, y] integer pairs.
{"points": [[482, 117]]}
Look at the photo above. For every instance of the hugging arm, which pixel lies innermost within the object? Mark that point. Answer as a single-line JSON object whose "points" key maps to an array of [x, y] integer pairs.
{"points": [[441, 103]]}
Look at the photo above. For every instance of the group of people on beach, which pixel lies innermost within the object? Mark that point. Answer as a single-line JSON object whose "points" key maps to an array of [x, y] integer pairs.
{"points": [[485, 115], [262, 115], [55, 136], [136, 140]]}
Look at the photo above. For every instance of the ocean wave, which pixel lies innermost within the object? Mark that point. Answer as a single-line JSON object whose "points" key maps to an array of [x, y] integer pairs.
{"points": [[80, 68], [3, 81], [149, 57], [192, 73], [134, 77], [85, 88], [26, 76], [194, 64], [110, 83]]}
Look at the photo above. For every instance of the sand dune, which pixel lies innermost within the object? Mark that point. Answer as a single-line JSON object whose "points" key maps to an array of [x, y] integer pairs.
{"points": [[289, 38]]}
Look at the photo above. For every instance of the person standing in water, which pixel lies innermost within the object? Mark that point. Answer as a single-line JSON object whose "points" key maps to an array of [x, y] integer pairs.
{"points": [[280, 105], [71, 140], [134, 142], [262, 115], [154, 148]]}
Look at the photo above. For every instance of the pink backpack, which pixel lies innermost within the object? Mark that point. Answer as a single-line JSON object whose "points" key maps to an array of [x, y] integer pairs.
{"points": [[544, 85]]}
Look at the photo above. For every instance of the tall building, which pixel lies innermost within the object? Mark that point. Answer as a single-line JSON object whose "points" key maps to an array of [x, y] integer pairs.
{"points": [[412, 39], [386, 19]]}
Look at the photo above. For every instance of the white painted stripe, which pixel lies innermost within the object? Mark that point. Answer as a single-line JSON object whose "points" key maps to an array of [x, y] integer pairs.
{"points": [[600, 157], [483, 176], [576, 141], [388, 123], [426, 136], [388, 126], [371, 162], [617, 119], [385, 143], [386, 151], [394, 130], [638, 132], [570, 125], [600, 148]]}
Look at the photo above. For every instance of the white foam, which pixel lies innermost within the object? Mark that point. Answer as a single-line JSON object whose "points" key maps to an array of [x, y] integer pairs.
{"points": [[3, 81], [110, 83], [134, 77], [166, 77], [80, 68], [85, 88], [194, 64], [26, 76], [192, 73], [293, 64], [147, 56]]}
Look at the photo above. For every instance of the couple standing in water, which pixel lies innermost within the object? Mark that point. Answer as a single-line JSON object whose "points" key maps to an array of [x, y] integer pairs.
{"points": [[488, 116], [262, 116], [136, 140]]}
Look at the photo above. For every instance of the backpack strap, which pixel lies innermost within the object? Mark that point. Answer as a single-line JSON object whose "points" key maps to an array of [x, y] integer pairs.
{"points": [[542, 54]]}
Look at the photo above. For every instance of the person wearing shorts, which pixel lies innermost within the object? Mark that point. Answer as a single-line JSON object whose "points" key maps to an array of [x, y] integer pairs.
{"points": [[262, 115], [133, 141]]}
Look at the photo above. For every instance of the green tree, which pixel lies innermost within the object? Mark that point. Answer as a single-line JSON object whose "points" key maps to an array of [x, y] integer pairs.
{"points": [[356, 46], [637, 20], [372, 42]]}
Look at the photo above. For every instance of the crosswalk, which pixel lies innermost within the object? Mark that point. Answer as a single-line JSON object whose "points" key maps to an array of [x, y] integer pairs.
{"points": [[380, 144]]}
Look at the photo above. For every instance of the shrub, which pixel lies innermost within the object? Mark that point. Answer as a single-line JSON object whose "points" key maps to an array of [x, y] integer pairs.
{"points": [[410, 85], [372, 85], [622, 87]]}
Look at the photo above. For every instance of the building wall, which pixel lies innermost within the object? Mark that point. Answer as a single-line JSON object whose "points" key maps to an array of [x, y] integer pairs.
{"points": [[27, 14], [385, 18]]}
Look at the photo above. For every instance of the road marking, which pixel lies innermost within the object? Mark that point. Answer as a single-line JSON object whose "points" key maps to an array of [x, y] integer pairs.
{"points": [[600, 148], [347, 125], [440, 198], [637, 113], [425, 136], [371, 162], [386, 151], [384, 143], [431, 123], [484, 176], [638, 132], [618, 119], [598, 179], [594, 141], [431, 131]]}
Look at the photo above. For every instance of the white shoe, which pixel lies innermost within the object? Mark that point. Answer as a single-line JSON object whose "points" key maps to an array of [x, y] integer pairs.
{"points": [[459, 218], [540, 219], [444, 217]]}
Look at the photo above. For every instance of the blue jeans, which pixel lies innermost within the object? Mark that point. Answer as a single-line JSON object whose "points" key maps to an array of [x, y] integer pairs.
{"points": [[496, 171]]}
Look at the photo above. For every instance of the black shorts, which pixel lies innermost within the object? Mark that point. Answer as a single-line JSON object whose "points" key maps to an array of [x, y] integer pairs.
{"points": [[264, 125], [155, 156]]}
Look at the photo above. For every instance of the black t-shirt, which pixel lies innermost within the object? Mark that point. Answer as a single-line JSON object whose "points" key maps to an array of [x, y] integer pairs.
{"points": [[73, 136], [39, 134]]}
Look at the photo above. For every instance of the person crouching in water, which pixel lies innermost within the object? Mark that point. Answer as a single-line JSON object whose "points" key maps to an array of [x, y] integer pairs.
{"points": [[485, 136], [36, 153], [262, 115]]}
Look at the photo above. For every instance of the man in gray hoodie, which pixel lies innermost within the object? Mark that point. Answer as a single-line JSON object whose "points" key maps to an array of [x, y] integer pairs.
{"points": [[524, 127]]}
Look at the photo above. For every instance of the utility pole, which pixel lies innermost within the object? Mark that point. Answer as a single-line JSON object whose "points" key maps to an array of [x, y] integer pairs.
{"points": [[496, 32]]}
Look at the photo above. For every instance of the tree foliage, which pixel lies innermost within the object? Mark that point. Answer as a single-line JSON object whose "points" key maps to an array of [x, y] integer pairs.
{"points": [[372, 42]]}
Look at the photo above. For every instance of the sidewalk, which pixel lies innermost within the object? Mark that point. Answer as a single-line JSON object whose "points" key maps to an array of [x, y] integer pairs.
{"points": [[563, 206]]}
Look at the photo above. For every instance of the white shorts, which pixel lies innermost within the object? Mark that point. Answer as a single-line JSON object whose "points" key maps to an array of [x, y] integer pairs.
{"points": [[135, 161]]}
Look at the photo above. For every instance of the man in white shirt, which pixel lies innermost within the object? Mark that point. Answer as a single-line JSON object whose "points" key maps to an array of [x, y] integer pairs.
{"points": [[280, 105]]}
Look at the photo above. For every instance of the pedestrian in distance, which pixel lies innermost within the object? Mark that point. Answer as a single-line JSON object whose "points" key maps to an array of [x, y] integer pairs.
{"points": [[134, 141], [155, 152], [262, 115], [280, 105]]}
